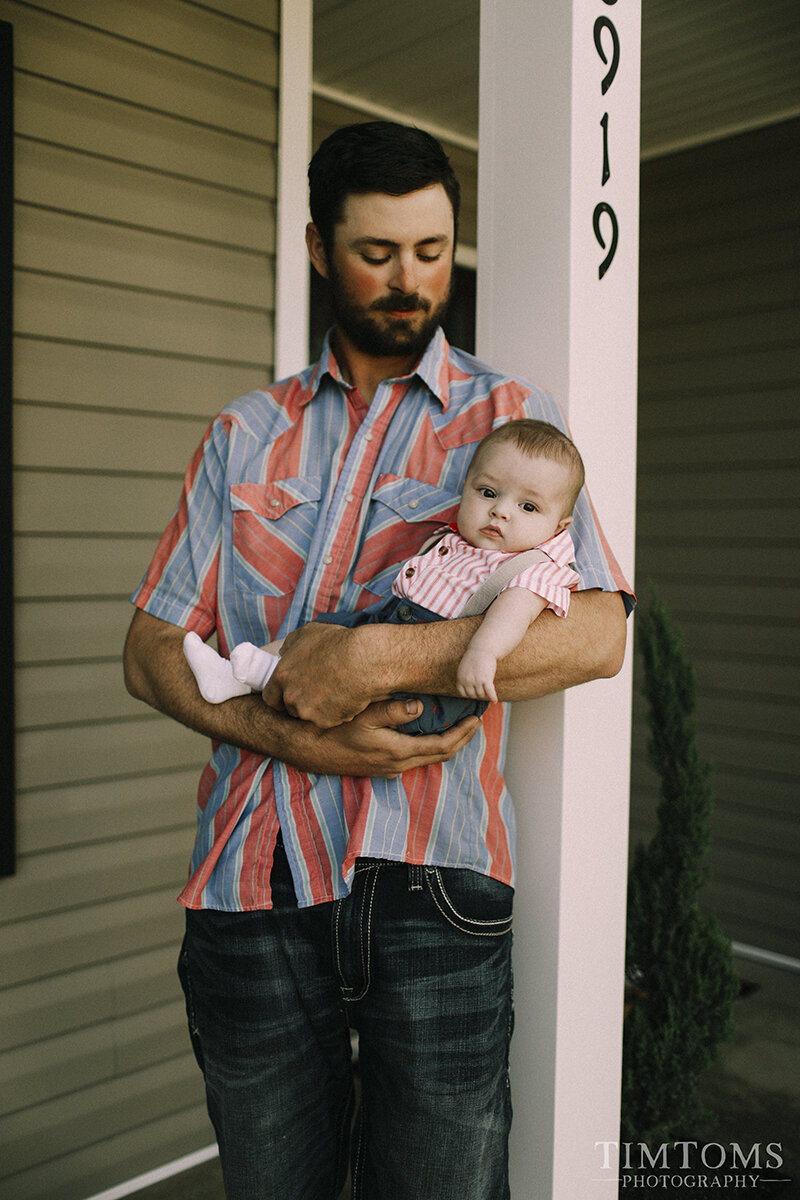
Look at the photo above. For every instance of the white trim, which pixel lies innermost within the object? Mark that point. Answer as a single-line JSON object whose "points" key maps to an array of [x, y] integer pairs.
{"points": [[467, 256], [770, 957], [718, 134], [140, 1182], [294, 150], [382, 113]]}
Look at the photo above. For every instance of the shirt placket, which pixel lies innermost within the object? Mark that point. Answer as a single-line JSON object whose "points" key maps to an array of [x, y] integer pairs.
{"points": [[350, 501]]}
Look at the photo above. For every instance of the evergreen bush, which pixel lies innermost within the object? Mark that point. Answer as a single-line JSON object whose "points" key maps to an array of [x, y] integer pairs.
{"points": [[676, 957]]}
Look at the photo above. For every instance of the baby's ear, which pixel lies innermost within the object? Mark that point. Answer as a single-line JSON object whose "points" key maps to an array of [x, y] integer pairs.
{"points": [[563, 523]]}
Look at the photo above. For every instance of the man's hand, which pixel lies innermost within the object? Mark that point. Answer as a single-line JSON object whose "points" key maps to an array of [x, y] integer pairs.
{"points": [[323, 676], [157, 673], [371, 744]]}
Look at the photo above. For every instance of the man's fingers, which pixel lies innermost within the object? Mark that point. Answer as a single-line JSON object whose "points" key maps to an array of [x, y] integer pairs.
{"points": [[391, 713]]}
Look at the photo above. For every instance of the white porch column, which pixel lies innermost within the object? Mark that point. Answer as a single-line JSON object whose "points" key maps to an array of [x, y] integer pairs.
{"points": [[553, 147]]}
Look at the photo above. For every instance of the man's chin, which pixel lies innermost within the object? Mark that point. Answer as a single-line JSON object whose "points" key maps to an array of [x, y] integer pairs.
{"points": [[393, 339]]}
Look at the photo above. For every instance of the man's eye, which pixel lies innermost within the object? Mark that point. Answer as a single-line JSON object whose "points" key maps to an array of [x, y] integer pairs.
{"points": [[429, 257], [375, 262]]}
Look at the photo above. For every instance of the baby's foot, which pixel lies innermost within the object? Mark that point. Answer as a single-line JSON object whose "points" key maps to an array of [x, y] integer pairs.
{"points": [[252, 665], [214, 674]]}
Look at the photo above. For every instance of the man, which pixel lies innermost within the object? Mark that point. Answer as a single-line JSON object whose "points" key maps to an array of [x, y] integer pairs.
{"points": [[345, 873]]}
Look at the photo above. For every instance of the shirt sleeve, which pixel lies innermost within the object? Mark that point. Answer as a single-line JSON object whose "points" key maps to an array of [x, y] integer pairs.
{"points": [[553, 582], [180, 585]]}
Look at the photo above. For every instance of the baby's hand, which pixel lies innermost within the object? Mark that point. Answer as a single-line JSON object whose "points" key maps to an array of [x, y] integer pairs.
{"points": [[475, 675]]}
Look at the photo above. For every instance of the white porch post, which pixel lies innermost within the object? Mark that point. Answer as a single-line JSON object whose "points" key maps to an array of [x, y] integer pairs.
{"points": [[553, 147]]}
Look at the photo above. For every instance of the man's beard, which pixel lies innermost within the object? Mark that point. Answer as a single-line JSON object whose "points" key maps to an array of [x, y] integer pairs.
{"points": [[386, 337]]}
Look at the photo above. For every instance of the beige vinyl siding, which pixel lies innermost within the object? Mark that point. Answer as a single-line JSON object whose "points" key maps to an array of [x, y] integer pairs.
{"points": [[718, 481], [144, 288]]}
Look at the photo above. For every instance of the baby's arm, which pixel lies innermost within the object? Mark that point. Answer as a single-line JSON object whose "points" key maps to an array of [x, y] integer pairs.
{"points": [[219, 679], [503, 627]]}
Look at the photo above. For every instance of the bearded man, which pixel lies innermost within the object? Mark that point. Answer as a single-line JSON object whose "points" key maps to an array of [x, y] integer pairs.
{"points": [[345, 874]]}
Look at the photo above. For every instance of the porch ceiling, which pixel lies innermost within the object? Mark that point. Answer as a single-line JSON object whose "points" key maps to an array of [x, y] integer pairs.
{"points": [[710, 68]]}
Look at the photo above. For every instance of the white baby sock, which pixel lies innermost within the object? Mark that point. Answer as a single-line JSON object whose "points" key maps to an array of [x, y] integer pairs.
{"points": [[214, 674], [252, 665]]}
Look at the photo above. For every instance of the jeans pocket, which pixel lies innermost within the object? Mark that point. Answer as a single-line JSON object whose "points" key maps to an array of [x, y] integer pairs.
{"points": [[473, 903], [186, 984]]}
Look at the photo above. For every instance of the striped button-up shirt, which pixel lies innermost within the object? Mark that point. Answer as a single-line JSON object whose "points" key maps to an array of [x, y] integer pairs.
{"points": [[444, 579], [302, 500]]}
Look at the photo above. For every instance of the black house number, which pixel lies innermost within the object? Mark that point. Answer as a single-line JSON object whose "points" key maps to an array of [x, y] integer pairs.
{"points": [[604, 219]]}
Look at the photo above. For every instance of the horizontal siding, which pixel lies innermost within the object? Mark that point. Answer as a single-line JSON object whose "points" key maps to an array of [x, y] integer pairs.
{"points": [[158, 384], [144, 294], [719, 444]]}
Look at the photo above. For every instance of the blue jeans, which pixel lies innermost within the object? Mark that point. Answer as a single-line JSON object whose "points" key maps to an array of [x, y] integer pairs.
{"points": [[418, 960]]}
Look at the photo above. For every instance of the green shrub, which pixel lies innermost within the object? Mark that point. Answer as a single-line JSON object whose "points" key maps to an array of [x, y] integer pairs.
{"points": [[676, 957]]}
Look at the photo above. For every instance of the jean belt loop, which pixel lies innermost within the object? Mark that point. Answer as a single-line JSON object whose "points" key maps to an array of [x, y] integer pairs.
{"points": [[414, 877]]}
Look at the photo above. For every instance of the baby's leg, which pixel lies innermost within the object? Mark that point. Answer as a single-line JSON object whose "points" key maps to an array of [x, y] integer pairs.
{"points": [[254, 666], [214, 674]]}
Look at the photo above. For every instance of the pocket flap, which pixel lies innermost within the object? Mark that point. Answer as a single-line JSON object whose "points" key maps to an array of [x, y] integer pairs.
{"points": [[414, 500], [272, 500]]}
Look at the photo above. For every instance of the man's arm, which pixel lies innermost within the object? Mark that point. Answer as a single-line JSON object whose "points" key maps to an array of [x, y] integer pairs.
{"points": [[156, 672], [328, 673]]}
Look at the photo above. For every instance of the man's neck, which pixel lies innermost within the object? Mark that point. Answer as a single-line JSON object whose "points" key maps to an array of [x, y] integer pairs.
{"points": [[365, 371]]}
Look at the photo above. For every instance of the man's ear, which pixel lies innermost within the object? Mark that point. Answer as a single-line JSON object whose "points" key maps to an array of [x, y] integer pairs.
{"points": [[316, 250]]}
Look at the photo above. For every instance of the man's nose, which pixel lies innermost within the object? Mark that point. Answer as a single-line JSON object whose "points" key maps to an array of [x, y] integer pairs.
{"points": [[405, 276]]}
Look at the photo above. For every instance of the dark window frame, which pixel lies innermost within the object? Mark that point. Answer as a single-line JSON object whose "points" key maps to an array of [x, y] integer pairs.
{"points": [[7, 784]]}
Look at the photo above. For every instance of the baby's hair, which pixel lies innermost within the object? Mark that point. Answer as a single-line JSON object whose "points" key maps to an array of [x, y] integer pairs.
{"points": [[539, 438]]}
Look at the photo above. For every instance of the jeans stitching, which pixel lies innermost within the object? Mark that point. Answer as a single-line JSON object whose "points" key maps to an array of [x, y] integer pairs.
{"points": [[339, 969], [502, 926], [366, 941], [348, 992]]}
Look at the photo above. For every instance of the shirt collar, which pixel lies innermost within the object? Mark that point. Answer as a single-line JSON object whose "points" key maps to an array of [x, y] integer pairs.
{"points": [[560, 548], [432, 369]]}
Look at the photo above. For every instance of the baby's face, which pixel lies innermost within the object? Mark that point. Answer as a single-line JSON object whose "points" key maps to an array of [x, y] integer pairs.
{"points": [[511, 501]]}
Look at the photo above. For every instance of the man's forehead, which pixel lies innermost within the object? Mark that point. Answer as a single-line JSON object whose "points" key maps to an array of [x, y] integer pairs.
{"points": [[422, 214]]}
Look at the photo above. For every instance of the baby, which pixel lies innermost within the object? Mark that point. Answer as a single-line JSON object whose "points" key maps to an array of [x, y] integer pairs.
{"points": [[508, 554]]}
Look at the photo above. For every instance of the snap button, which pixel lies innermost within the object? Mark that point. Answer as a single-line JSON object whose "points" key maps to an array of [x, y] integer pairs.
{"points": [[274, 502], [405, 613], [409, 572], [413, 504], [443, 550]]}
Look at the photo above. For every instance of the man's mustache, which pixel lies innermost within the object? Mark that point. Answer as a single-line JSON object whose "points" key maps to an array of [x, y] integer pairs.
{"points": [[412, 303]]}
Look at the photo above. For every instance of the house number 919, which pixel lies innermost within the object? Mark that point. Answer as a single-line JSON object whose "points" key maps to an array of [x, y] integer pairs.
{"points": [[606, 231]]}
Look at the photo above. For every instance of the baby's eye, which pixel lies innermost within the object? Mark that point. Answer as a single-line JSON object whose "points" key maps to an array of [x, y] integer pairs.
{"points": [[487, 493], [528, 506]]}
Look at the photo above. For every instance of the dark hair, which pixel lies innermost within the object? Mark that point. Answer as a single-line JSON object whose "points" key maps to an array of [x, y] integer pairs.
{"points": [[375, 156], [543, 440]]}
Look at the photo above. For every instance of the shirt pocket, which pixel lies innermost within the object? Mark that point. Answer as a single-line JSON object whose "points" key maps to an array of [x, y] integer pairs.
{"points": [[403, 514], [273, 524]]}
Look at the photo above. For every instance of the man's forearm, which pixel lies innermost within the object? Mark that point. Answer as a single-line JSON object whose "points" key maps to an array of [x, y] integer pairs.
{"points": [[555, 653], [157, 673]]}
